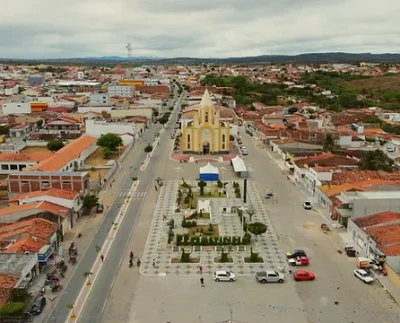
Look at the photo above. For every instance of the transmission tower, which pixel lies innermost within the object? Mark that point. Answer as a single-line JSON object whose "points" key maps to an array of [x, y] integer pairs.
{"points": [[129, 49]]}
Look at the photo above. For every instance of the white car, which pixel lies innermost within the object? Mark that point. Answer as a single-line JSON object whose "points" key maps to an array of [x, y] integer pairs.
{"points": [[224, 276], [270, 276], [364, 276], [307, 205]]}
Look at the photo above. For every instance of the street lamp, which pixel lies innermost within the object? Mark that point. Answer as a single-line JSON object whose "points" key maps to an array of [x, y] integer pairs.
{"points": [[243, 209]]}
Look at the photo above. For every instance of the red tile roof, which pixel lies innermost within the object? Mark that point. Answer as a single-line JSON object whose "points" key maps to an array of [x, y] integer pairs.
{"points": [[351, 176], [55, 192], [42, 205], [26, 157], [25, 245], [326, 159], [374, 219], [391, 250], [36, 227], [65, 155], [385, 235]]}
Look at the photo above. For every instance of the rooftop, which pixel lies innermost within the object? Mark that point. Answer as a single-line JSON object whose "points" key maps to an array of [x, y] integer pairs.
{"points": [[26, 157], [41, 206], [14, 263], [26, 245], [374, 219], [80, 174], [385, 235], [37, 227], [55, 192]]}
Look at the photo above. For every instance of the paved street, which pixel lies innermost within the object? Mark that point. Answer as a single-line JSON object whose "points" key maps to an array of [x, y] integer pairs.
{"points": [[100, 291]]}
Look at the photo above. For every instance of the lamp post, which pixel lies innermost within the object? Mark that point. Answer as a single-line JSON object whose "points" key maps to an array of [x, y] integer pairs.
{"points": [[243, 209]]}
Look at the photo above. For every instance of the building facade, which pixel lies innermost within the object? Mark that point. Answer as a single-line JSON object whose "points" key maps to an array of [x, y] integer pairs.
{"points": [[206, 134], [98, 99], [125, 91], [99, 128]]}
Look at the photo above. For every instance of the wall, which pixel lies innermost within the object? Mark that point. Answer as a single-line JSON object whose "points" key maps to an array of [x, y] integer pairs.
{"points": [[135, 112], [121, 90], [98, 128], [234, 129], [392, 275], [16, 107], [99, 99], [19, 166], [363, 207]]}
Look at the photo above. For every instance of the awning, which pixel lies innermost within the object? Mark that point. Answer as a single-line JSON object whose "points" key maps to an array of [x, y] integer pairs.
{"points": [[238, 165], [209, 169]]}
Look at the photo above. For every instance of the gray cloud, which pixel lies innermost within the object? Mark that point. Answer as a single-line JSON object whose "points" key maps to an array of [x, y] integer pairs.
{"points": [[207, 28]]}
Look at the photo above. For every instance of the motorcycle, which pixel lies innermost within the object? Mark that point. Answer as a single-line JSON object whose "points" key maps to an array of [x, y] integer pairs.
{"points": [[138, 262], [72, 260], [130, 263], [56, 287]]}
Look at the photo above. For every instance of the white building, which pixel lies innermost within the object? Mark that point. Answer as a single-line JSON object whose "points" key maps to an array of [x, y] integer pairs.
{"points": [[17, 108], [98, 109], [99, 99], [99, 128], [125, 91], [133, 112]]}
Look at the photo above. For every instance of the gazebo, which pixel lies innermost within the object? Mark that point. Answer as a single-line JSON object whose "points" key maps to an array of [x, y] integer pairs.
{"points": [[209, 173]]}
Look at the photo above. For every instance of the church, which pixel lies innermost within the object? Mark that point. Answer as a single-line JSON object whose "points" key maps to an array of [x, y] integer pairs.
{"points": [[206, 134]]}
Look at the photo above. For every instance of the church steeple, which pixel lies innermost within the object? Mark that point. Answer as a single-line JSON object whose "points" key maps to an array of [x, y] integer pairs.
{"points": [[206, 100]]}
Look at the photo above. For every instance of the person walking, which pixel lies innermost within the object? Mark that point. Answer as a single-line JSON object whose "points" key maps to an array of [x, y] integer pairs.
{"points": [[201, 270], [154, 263], [102, 258], [202, 282]]}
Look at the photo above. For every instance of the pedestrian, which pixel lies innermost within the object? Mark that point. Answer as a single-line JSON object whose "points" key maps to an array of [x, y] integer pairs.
{"points": [[202, 282], [155, 187], [102, 258], [154, 263], [131, 255], [201, 269]]}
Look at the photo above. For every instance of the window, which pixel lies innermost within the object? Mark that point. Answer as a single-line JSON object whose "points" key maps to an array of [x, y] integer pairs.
{"points": [[223, 139], [4, 167], [206, 117], [66, 183], [188, 141], [24, 182], [14, 167]]}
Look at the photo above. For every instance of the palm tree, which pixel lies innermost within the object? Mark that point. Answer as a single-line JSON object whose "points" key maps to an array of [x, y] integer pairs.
{"points": [[376, 160], [251, 211]]}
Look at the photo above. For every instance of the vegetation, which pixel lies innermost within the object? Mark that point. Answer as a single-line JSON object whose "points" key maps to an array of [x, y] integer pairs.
{"points": [[90, 201], [257, 228], [187, 240], [254, 257], [12, 309], [18, 295], [107, 152], [4, 130], [376, 160], [236, 189], [328, 143], [202, 185], [185, 256], [55, 145], [251, 212], [109, 140], [148, 149]]}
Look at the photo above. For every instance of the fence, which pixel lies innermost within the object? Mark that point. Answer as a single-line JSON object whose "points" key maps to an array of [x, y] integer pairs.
{"points": [[96, 186]]}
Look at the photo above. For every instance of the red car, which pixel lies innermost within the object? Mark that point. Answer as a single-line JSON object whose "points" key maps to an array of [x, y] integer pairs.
{"points": [[303, 275]]}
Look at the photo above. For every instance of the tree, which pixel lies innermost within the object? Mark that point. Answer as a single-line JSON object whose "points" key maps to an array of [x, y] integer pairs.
{"points": [[107, 152], [55, 145], [257, 228], [376, 160], [251, 211], [148, 149], [90, 201], [155, 114], [202, 184], [109, 140], [12, 309], [39, 123], [163, 120], [328, 143]]}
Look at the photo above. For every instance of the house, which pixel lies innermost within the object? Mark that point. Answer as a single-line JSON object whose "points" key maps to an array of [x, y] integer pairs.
{"points": [[99, 99], [63, 124], [272, 119], [69, 158], [24, 182], [21, 266], [10, 162], [69, 199], [19, 130]]}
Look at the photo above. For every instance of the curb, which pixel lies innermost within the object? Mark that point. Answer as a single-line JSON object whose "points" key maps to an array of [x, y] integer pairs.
{"points": [[95, 270]]}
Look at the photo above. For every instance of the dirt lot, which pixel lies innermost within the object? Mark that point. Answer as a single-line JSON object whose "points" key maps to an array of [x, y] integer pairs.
{"points": [[382, 83], [98, 174], [34, 149], [97, 159]]}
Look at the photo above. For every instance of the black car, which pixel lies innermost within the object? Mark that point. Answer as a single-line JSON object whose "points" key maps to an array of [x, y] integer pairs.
{"points": [[99, 208], [38, 306], [296, 253]]}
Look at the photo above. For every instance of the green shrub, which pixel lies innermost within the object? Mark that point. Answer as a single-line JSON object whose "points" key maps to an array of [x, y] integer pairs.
{"points": [[12, 309], [236, 241], [246, 238], [179, 239], [204, 241], [210, 228]]}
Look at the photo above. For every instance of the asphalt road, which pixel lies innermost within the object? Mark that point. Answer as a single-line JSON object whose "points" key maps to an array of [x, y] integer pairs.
{"points": [[336, 295], [101, 288]]}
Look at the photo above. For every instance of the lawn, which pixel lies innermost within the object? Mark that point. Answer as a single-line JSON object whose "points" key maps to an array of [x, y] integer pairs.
{"points": [[381, 83], [97, 159], [197, 229], [34, 149], [97, 175]]}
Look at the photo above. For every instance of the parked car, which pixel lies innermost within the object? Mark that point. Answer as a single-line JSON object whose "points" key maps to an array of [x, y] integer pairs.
{"points": [[307, 205], [299, 261], [300, 275], [270, 276], [296, 253], [222, 276], [38, 305], [364, 276], [99, 208]]}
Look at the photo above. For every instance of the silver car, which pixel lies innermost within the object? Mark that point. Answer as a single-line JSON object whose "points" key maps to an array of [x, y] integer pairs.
{"points": [[270, 276]]}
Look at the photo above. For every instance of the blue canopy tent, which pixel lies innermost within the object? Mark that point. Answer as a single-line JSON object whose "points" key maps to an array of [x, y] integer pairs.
{"points": [[209, 173]]}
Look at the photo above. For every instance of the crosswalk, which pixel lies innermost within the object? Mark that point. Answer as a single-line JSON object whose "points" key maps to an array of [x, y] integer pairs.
{"points": [[133, 195]]}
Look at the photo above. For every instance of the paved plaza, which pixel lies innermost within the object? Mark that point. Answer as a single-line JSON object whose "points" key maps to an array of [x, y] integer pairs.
{"points": [[158, 250]]}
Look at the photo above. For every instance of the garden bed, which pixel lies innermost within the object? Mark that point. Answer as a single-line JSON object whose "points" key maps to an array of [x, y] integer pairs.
{"points": [[198, 228], [253, 261], [218, 260]]}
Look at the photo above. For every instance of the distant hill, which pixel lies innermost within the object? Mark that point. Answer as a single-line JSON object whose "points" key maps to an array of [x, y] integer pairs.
{"points": [[333, 57]]}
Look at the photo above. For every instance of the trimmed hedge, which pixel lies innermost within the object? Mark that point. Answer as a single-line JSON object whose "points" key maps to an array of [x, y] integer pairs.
{"points": [[186, 240]]}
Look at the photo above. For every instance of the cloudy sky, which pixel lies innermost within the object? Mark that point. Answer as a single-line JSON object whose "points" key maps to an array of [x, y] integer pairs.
{"points": [[196, 28]]}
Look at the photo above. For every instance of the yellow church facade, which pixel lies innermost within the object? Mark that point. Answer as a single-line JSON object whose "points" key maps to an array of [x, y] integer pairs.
{"points": [[206, 134]]}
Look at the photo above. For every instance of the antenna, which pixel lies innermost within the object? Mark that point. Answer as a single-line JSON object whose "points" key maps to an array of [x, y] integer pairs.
{"points": [[129, 49]]}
